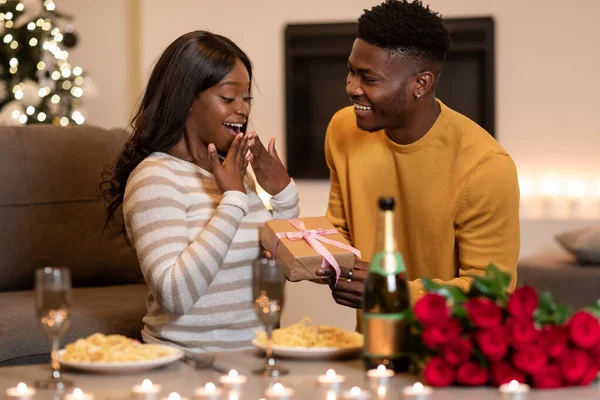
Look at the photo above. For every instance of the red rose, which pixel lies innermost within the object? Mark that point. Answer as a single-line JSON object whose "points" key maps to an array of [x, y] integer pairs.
{"points": [[441, 333], [523, 302], [484, 313], [438, 373], [596, 354], [589, 375], [530, 359], [574, 364], [554, 340], [502, 372], [584, 330], [521, 333], [492, 343], [457, 351], [472, 374], [431, 308], [548, 377]]}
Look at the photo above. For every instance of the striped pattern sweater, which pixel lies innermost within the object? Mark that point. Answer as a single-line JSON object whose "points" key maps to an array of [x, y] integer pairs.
{"points": [[195, 247]]}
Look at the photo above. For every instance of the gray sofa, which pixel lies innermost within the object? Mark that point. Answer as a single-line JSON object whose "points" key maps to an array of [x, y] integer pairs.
{"points": [[51, 215]]}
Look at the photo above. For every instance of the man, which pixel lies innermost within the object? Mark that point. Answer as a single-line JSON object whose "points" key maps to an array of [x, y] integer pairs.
{"points": [[455, 187]]}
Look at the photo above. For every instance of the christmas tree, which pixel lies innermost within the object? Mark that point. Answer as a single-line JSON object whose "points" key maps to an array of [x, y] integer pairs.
{"points": [[37, 82]]}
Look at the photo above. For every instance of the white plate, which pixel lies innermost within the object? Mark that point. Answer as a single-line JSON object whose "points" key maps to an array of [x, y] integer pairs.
{"points": [[310, 353], [122, 367]]}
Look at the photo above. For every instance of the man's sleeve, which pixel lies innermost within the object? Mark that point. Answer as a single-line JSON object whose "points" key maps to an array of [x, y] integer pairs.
{"points": [[336, 213]]}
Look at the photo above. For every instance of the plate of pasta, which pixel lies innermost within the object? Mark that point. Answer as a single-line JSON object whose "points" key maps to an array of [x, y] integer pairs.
{"points": [[116, 354], [307, 340]]}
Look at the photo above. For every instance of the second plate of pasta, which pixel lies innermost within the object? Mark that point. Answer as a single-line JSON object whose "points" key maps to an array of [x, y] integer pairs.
{"points": [[307, 340], [114, 354]]}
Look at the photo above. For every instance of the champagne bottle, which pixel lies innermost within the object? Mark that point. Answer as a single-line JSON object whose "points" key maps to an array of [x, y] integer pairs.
{"points": [[386, 298]]}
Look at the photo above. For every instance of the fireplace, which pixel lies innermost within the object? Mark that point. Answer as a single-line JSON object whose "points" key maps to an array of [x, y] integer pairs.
{"points": [[315, 74]]}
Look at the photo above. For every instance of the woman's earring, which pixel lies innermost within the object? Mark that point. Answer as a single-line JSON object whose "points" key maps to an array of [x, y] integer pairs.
{"points": [[417, 96]]}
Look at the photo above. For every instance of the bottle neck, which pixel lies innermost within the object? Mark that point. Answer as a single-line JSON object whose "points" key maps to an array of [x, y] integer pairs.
{"points": [[386, 232]]}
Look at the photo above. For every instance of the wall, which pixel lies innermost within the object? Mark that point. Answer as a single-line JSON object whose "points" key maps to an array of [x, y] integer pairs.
{"points": [[547, 90]]}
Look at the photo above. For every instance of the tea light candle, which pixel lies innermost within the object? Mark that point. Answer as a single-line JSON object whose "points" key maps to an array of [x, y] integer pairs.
{"points": [[208, 392], [278, 392], [380, 376], [417, 391], [356, 394], [331, 395], [550, 192], [146, 391], [381, 392], [514, 390], [20, 392], [331, 380], [174, 396], [79, 394], [233, 381]]}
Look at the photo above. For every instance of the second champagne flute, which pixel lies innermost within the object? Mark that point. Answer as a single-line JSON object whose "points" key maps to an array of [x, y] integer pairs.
{"points": [[268, 290]]}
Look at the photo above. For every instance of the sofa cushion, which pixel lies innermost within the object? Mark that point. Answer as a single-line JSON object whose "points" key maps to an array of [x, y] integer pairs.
{"points": [[112, 309], [583, 244], [51, 213]]}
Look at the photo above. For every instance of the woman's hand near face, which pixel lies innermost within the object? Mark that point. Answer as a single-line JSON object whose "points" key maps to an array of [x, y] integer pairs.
{"points": [[268, 168], [230, 173]]}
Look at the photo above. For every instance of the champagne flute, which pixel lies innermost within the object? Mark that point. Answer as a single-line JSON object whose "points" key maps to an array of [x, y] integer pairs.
{"points": [[52, 299], [268, 287]]}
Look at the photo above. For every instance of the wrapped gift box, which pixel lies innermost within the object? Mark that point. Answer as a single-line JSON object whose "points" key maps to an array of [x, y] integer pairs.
{"points": [[299, 259]]}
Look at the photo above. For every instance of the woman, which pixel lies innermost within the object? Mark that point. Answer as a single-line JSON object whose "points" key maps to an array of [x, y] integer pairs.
{"points": [[189, 212]]}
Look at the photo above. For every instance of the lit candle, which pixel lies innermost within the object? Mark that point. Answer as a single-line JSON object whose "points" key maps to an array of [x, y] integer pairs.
{"points": [[146, 391], [174, 396], [381, 392], [79, 394], [576, 192], [527, 204], [550, 191], [233, 381], [514, 390], [20, 392], [331, 380], [356, 394], [208, 392], [331, 395], [417, 391], [278, 392], [380, 376], [598, 199]]}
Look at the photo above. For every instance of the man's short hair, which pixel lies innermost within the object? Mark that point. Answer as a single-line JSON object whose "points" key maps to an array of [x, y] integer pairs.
{"points": [[406, 27]]}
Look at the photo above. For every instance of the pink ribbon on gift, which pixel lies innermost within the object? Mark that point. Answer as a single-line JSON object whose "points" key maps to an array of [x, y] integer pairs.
{"points": [[313, 237]]}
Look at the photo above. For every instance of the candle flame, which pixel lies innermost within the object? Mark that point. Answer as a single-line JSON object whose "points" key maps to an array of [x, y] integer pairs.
{"points": [[233, 373], [331, 395], [418, 387], [355, 391], [210, 387], [278, 388], [233, 396], [146, 384], [330, 373], [174, 396], [513, 385], [78, 393], [381, 391], [381, 369], [21, 388]]}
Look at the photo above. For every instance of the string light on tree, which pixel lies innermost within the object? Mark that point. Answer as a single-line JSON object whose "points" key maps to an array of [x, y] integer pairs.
{"points": [[38, 84]]}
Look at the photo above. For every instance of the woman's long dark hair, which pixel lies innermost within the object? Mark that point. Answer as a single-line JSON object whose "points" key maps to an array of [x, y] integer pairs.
{"points": [[191, 64]]}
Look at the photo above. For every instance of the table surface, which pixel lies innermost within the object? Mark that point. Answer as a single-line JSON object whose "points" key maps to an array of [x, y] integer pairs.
{"points": [[181, 377]]}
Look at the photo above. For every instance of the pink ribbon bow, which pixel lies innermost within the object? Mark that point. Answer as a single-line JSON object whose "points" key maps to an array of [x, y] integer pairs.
{"points": [[313, 237]]}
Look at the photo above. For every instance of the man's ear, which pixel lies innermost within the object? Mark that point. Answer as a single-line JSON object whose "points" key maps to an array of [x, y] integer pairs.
{"points": [[423, 83]]}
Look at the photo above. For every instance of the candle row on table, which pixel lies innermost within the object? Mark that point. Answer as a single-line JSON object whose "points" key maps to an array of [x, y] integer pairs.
{"points": [[331, 381]]}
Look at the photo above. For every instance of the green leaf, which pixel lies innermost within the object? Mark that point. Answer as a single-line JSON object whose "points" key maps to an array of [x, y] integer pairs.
{"points": [[429, 285], [562, 314], [594, 309]]}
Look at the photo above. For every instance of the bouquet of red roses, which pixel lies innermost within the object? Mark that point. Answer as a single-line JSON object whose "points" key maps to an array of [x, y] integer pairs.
{"points": [[489, 336]]}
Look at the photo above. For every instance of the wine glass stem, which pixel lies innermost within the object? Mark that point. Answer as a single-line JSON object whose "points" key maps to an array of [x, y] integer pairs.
{"points": [[269, 350], [54, 345]]}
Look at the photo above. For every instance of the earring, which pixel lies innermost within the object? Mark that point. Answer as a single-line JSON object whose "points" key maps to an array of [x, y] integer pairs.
{"points": [[417, 96]]}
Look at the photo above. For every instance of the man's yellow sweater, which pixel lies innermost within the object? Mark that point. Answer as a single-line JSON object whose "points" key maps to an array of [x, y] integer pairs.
{"points": [[456, 192]]}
